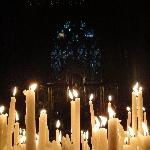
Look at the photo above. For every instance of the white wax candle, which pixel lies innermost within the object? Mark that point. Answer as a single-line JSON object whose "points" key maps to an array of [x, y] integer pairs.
{"points": [[72, 120], [112, 134], [30, 118], [42, 129], [16, 134], [140, 111], [11, 122], [103, 139], [77, 123], [134, 112], [3, 130]]}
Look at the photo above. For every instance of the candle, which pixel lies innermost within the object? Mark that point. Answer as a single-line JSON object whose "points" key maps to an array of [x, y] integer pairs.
{"points": [[57, 131], [145, 119], [11, 120], [42, 129], [16, 130], [91, 110], [109, 104], [112, 131], [72, 116], [77, 123], [3, 128], [103, 134], [134, 107], [140, 111], [30, 118], [129, 117]]}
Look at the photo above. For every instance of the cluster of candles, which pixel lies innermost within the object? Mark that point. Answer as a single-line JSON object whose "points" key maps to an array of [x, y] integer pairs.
{"points": [[114, 137]]}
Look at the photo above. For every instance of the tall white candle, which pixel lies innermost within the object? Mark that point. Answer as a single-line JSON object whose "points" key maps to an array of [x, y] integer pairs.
{"points": [[3, 128], [57, 131], [112, 131], [77, 123], [30, 118], [11, 120], [140, 110], [134, 108], [16, 130], [42, 129]]}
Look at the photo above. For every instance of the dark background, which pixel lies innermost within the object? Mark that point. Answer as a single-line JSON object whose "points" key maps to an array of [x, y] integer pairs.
{"points": [[122, 29]]}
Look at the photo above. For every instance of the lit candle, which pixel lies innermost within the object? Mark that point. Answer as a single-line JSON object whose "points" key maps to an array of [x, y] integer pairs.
{"points": [[112, 131], [140, 111], [109, 104], [134, 107], [77, 120], [11, 120], [91, 110], [145, 119], [42, 129], [103, 134], [30, 118], [72, 116], [129, 117], [57, 131], [3, 128], [16, 130]]}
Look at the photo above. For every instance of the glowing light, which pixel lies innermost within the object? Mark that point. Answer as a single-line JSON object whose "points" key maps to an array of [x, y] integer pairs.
{"points": [[128, 108], [17, 116], [111, 112], [70, 95], [43, 111], [91, 97], [145, 129], [143, 108], [97, 123], [103, 121], [110, 98], [140, 88], [33, 86], [75, 93], [2, 108], [131, 132], [135, 89], [87, 135], [57, 124], [14, 91]]}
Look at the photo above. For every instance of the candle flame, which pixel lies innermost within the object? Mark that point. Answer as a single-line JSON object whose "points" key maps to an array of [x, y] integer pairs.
{"points": [[43, 111], [143, 108], [14, 91], [75, 93], [145, 129], [110, 98], [91, 97], [128, 108], [33, 86], [111, 112], [17, 116], [2, 108], [131, 131], [103, 121], [57, 124], [70, 95]]}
